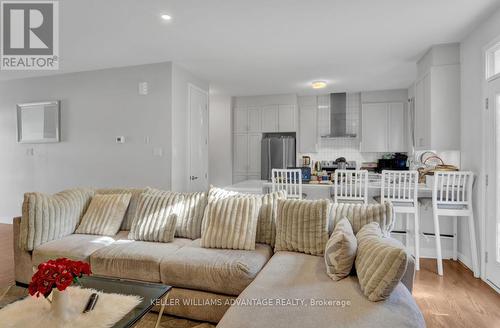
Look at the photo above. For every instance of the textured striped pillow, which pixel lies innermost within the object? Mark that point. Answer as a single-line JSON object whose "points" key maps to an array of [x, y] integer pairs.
{"points": [[132, 206], [340, 250], [361, 214], [156, 217], [104, 215], [302, 226], [231, 223], [380, 262], [50, 217], [191, 212], [266, 225]]}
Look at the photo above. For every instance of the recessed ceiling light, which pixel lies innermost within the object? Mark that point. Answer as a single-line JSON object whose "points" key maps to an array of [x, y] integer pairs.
{"points": [[166, 17], [319, 84]]}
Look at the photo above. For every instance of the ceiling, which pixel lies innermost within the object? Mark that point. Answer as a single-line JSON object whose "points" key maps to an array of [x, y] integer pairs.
{"points": [[251, 47]]}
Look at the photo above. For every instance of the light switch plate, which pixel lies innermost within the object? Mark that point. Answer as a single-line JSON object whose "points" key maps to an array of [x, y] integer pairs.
{"points": [[158, 152], [143, 88]]}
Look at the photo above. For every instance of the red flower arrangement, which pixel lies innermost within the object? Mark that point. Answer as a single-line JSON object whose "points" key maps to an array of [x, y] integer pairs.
{"points": [[58, 274]]}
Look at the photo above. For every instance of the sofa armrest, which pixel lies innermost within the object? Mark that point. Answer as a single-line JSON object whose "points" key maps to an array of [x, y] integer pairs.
{"points": [[409, 275], [23, 266]]}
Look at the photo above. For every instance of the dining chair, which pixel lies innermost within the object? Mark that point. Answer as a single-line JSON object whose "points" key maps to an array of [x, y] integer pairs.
{"points": [[351, 186], [452, 196], [401, 189], [289, 180]]}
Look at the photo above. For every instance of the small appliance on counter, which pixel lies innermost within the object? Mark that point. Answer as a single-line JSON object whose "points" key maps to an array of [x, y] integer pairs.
{"points": [[306, 172], [396, 161]]}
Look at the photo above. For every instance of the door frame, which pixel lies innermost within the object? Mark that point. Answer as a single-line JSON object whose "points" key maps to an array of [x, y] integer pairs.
{"points": [[487, 135], [191, 87]]}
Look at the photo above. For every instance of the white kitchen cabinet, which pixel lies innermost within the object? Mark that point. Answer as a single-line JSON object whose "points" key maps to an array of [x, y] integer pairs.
{"points": [[240, 153], [240, 120], [254, 150], [254, 119], [383, 127], [270, 118], [308, 129], [286, 118], [397, 128], [437, 99]]}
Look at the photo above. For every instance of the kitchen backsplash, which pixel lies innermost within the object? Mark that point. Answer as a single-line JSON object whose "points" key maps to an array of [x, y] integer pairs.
{"points": [[330, 149]]}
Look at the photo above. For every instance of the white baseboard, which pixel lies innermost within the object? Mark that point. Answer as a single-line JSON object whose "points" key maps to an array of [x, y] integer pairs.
{"points": [[6, 220]]}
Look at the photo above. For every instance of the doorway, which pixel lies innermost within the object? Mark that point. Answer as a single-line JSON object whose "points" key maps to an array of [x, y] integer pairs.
{"points": [[492, 222], [197, 139]]}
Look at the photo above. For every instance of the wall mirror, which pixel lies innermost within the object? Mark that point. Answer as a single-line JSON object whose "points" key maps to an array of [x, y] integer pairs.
{"points": [[38, 122]]}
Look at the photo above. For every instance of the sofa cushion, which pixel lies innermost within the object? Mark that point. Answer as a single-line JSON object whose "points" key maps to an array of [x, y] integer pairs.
{"points": [[361, 214], [266, 223], [340, 251], [132, 206], [215, 270], [380, 262], [104, 215], [231, 223], [156, 217], [50, 217], [292, 276], [130, 259], [302, 226], [75, 247]]}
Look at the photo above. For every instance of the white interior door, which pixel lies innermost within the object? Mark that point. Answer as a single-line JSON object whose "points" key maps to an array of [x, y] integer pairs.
{"points": [[493, 188], [198, 139]]}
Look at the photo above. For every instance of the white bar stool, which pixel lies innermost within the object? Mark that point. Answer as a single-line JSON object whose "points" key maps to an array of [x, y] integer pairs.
{"points": [[351, 186], [401, 189], [452, 196], [288, 180]]}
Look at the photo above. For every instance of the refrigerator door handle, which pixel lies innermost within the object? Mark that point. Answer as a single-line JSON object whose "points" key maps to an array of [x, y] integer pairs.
{"points": [[269, 168]]}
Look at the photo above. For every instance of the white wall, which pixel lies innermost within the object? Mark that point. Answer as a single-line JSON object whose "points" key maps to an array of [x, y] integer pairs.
{"points": [[220, 160], [180, 81], [472, 75], [96, 107]]}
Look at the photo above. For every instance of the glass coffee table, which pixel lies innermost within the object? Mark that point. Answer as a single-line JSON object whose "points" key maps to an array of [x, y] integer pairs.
{"points": [[150, 293]]}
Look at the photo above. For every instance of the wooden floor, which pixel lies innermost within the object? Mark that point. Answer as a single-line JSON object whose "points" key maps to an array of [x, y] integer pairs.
{"points": [[455, 300]]}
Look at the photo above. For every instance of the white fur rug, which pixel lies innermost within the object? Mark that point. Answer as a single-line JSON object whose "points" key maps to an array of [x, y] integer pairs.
{"points": [[35, 312]]}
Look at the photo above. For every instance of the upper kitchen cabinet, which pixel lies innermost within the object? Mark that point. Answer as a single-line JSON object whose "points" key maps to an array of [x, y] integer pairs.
{"points": [[286, 118], [247, 120], [270, 115], [437, 99], [383, 127], [308, 135]]}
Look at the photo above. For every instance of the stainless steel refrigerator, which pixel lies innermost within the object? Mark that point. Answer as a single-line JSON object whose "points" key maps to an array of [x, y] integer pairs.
{"points": [[277, 152]]}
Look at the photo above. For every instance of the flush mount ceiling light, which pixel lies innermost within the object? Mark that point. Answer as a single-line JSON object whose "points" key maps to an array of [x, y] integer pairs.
{"points": [[319, 84], [166, 17]]}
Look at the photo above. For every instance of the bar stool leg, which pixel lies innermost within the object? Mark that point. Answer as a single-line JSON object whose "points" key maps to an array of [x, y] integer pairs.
{"points": [[417, 240], [437, 237], [473, 247], [455, 238]]}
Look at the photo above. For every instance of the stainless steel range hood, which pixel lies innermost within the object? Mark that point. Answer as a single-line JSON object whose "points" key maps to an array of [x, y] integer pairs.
{"points": [[338, 117]]}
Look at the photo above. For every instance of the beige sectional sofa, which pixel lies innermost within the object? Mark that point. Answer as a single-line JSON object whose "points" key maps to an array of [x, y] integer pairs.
{"points": [[216, 285]]}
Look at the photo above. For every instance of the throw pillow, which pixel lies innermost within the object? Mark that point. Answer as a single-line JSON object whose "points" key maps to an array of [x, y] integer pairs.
{"points": [[361, 214], [132, 206], [156, 217], [48, 217], [191, 213], [104, 215], [302, 226], [266, 223], [340, 250], [380, 262], [231, 223]]}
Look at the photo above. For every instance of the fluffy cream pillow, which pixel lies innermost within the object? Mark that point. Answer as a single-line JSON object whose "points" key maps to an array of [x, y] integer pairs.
{"points": [[340, 250], [302, 226], [156, 217], [361, 214], [231, 223], [132, 205], [380, 262], [104, 215], [266, 223]]}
